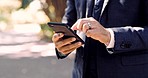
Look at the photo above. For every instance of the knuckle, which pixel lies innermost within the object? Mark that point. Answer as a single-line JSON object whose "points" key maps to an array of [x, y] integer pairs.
{"points": [[61, 50], [91, 18], [84, 25], [65, 52], [88, 34], [59, 44], [56, 45], [54, 37], [81, 21], [68, 47], [71, 46], [53, 40], [58, 49], [69, 40], [76, 44]]}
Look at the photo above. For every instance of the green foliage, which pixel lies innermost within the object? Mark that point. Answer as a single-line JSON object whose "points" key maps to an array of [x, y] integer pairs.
{"points": [[2, 18], [25, 3], [48, 32]]}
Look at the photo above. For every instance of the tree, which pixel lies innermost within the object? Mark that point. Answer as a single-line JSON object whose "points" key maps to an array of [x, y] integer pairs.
{"points": [[59, 9], [54, 9]]}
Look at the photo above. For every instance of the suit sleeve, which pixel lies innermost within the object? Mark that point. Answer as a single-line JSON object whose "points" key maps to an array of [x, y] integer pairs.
{"points": [[131, 39], [69, 18]]}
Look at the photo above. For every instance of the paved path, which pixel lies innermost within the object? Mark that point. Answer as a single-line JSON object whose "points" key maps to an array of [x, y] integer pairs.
{"points": [[26, 56], [24, 45]]}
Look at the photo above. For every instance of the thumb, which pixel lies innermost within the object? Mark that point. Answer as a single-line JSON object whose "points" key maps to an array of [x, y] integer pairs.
{"points": [[74, 27]]}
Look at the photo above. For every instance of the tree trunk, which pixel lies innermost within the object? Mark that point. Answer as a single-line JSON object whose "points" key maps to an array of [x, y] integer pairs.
{"points": [[55, 10]]}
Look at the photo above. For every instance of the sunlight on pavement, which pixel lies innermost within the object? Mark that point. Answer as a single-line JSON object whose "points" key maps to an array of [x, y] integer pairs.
{"points": [[20, 37], [27, 28], [28, 50]]}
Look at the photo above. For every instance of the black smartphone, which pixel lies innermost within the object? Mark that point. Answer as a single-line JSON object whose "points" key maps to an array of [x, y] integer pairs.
{"points": [[65, 29]]}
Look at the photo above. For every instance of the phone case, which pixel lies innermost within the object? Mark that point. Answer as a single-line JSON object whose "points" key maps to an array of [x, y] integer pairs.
{"points": [[65, 29]]}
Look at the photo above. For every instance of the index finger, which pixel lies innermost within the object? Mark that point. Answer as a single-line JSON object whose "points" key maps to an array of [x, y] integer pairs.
{"points": [[78, 25]]}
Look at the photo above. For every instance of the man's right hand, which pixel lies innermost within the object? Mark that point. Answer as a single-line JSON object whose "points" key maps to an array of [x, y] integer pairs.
{"points": [[65, 46]]}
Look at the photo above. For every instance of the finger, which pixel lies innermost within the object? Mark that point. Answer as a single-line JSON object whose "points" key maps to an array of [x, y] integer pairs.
{"points": [[64, 42], [74, 27], [86, 27], [79, 24], [68, 48], [57, 36], [89, 33], [68, 51]]}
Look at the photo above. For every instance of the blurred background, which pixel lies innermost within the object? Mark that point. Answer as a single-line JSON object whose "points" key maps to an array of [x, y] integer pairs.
{"points": [[26, 49]]}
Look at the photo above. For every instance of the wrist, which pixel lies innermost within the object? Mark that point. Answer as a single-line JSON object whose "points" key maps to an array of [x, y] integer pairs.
{"points": [[112, 39], [108, 38]]}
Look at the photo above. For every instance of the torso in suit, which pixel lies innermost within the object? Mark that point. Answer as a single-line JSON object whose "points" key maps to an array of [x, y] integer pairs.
{"points": [[129, 21]]}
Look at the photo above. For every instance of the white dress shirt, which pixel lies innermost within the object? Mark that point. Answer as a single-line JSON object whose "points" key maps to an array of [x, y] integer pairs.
{"points": [[112, 41]]}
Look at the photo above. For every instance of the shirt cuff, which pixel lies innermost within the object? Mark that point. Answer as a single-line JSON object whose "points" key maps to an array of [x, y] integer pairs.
{"points": [[112, 41]]}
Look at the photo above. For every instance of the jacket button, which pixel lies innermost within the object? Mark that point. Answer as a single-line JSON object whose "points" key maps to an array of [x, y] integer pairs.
{"points": [[128, 45], [122, 45], [125, 45]]}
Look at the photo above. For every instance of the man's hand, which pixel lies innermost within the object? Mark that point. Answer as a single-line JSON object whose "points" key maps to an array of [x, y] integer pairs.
{"points": [[65, 46], [93, 29]]}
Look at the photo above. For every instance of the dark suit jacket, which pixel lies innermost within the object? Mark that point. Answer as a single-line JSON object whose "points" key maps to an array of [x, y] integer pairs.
{"points": [[129, 21]]}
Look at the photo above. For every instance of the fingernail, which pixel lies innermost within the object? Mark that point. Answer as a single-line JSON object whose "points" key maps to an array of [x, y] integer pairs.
{"points": [[60, 34], [74, 28], [79, 43], [73, 39]]}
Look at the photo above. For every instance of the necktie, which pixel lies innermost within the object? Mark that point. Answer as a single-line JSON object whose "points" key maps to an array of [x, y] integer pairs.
{"points": [[97, 9], [91, 66], [98, 4]]}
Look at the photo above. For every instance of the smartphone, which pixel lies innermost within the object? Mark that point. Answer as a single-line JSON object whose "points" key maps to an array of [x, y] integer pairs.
{"points": [[65, 29]]}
